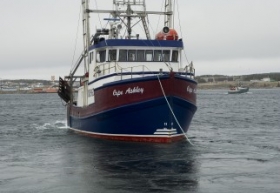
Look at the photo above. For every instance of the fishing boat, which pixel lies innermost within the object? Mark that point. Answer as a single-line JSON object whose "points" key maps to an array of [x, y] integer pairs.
{"points": [[8, 89], [133, 87], [238, 90]]}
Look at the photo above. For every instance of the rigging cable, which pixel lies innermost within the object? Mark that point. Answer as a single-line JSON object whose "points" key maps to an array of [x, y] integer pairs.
{"points": [[170, 108], [99, 18], [98, 13], [76, 37], [159, 16], [181, 28], [173, 18]]}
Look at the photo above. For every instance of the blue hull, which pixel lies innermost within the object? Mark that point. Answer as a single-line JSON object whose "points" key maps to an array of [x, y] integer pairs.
{"points": [[138, 119]]}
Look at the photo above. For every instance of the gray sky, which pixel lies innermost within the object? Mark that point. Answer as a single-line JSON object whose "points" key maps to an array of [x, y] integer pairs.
{"points": [[230, 37]]}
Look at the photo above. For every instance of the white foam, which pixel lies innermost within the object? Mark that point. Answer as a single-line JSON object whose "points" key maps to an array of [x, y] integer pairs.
{"points": [[61, 124]]}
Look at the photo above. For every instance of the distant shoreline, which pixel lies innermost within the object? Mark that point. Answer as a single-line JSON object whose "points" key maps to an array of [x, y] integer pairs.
{"points": [[226, 85], [201, 86], [25, 92]]}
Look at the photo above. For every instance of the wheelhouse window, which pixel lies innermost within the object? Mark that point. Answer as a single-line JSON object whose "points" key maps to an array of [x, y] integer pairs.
{"points": [[174, 56], [157, 55], [140, 55], [101, 56], [166, 55], [144, 55], [123, 55], [131, 55], [112, 55], [149, 55], [90, 57]]}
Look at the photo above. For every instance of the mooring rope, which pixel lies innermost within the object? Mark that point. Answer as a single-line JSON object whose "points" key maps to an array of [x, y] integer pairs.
{"points": [[171, 110]]}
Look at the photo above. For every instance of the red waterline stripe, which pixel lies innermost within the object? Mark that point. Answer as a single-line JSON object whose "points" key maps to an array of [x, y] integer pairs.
{"points": [[153, 139]]}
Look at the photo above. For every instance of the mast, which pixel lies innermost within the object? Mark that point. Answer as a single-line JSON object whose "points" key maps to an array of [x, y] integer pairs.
{"points": [[86, 41], [168, 19], [135, 9], [129, 13], [86, 31]]}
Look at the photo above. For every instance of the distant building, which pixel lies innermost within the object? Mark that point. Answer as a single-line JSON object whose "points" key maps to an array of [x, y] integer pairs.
{"points": [[26, 88], [254, 80], [266, 80], [39, 84], [22, 83]]}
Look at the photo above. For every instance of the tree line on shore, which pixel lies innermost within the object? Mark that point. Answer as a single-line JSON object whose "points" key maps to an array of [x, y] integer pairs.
{"points": [[199, 79], [219, 78]]}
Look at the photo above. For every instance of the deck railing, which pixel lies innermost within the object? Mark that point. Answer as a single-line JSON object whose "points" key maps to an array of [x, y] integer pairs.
{"points": [[107, 68]]}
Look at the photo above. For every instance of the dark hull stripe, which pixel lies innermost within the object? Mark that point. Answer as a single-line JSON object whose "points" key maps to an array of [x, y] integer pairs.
{"points": [[138, 119]]}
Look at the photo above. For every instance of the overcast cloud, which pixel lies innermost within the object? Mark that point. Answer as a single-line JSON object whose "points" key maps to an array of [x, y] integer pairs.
{"points": [[37, 38]]}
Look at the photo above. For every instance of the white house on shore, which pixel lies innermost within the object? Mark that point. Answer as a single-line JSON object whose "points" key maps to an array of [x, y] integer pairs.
{"points": [[266, 79]]}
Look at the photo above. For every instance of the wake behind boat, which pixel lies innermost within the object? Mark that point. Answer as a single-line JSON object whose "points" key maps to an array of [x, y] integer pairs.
{"points": [[133, 88]]}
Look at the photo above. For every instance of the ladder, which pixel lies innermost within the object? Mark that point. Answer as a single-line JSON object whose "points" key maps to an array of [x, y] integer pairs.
{"points": [[143, 18]]}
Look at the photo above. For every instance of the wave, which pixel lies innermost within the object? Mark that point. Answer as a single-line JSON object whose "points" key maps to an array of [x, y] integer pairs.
{"points": [[58, 124]]}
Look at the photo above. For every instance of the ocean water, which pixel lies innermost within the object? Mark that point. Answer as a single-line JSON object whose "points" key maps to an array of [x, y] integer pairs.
{"points": [[236, 149]]}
